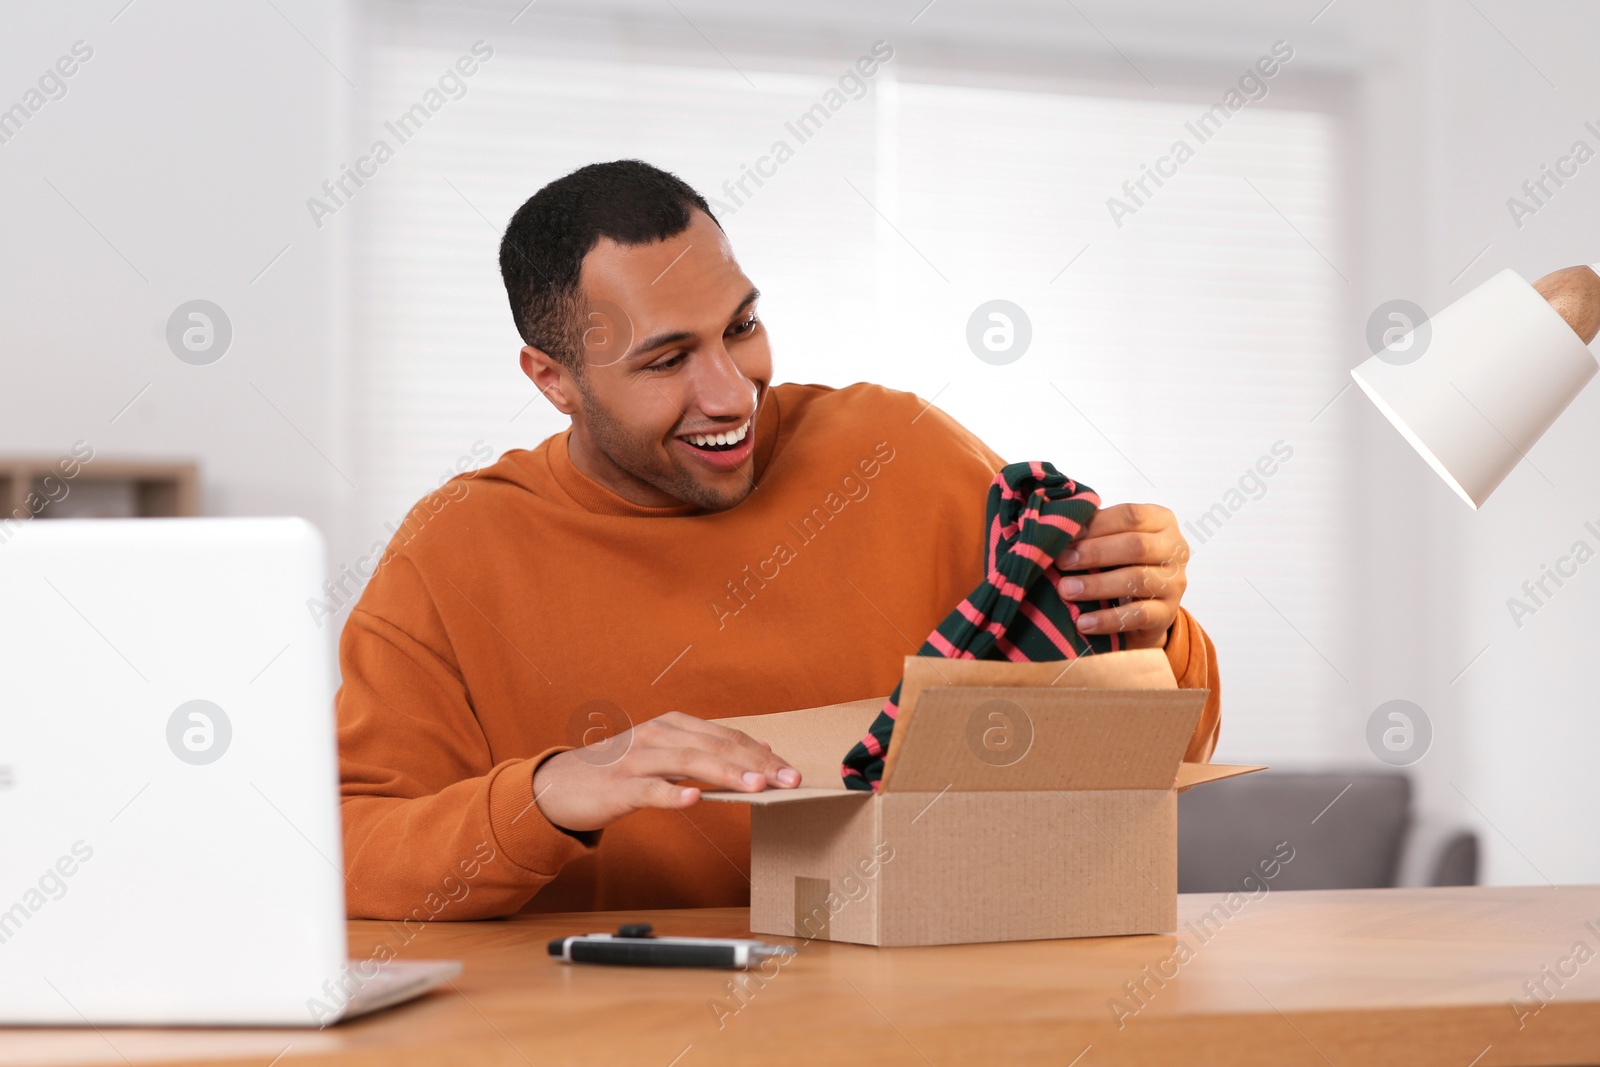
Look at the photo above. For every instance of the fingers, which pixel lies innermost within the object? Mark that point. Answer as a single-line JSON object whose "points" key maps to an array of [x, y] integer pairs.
{"points": [[1124, 518], [656, 793], [1149, 602], [733, 746], [1125, 534], [591, 787], [678, 745], [1125, 548], [1153, 617], [697, 763], [1133, 582]]}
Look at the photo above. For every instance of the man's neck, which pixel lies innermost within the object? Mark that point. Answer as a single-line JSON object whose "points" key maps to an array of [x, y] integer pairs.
{"points": [[599, 468]]}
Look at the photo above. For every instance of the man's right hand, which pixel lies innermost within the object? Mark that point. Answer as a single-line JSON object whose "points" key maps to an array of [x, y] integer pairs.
{"points": [[591, 787]]}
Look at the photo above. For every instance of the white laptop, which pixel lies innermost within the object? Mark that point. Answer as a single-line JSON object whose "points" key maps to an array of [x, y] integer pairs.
{"points": [[169, 786]]}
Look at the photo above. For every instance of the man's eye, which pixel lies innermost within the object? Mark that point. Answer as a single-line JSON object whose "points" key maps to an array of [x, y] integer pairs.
{"points": [[668, 364], [744, 326]]}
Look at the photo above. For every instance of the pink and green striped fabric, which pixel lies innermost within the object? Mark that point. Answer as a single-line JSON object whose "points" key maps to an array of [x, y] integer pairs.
{"points": [[1034, 512]]}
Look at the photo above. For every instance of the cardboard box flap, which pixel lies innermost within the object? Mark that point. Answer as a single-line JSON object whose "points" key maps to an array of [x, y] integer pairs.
{"points": [[1007, 739], [1143, 668], [1193, 774], [813, 741]]}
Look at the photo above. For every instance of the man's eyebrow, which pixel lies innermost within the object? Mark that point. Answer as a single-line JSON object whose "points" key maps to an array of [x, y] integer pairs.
{"points": [[661, 340], [658, 341], [750, 298]]}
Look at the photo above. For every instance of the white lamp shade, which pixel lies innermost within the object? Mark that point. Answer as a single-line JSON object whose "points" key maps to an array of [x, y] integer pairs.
{"points": [[1500, 366]]}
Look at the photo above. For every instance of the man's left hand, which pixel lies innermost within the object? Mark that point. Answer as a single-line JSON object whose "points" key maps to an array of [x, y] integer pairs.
{"points": [[1140, 556]]}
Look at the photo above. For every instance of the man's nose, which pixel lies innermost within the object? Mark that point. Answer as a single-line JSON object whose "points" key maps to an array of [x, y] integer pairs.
{"points": [[721, 388]]}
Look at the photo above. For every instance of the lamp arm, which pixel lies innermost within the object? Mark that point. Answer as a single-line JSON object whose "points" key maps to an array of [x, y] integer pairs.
{"points": [[1575, 294]]}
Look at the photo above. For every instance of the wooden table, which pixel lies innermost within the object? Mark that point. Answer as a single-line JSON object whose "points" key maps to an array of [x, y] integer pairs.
{"points": [[1413, 977]]}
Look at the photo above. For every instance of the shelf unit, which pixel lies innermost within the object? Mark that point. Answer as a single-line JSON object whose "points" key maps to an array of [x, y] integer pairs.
{"points": [[101, 488]]}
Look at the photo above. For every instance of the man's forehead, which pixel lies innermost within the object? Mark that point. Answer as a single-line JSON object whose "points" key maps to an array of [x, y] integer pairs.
{"points": [[690, 267]]}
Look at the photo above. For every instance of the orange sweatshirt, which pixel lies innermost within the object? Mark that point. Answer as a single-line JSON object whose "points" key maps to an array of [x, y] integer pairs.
{"points": [[521, 601]]}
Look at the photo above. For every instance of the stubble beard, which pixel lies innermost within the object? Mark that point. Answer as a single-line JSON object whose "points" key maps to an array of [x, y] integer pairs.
{"points": [[637, 455]]}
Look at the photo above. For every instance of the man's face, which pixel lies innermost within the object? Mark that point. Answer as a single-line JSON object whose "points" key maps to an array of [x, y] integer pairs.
{"points": [[673, 352]]}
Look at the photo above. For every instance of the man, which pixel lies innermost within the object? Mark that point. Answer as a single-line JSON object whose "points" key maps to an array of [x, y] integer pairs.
{"points": [[526, 679]]}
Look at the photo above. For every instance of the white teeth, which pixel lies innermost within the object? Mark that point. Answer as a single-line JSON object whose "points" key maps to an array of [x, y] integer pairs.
{"points": [[732, 438]]}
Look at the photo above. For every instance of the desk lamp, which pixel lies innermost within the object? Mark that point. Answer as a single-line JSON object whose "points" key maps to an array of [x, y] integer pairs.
{"points": [[1476, 385]]}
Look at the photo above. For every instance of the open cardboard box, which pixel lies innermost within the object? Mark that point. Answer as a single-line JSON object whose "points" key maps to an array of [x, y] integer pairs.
{"points": [[1019, 801]]}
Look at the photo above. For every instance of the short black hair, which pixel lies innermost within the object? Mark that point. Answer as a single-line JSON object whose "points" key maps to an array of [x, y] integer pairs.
{"points": [[541, 255]]}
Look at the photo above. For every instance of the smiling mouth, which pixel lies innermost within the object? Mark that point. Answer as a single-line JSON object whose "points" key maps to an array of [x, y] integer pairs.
{"points": [[719, 442]]}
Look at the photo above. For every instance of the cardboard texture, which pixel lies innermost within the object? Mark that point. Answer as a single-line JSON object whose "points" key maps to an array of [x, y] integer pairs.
{"points": [[1019, 801], [1145, 668]]}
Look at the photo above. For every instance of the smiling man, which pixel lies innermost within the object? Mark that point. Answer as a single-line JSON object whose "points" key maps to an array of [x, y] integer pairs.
{"points": [[527, 679]]}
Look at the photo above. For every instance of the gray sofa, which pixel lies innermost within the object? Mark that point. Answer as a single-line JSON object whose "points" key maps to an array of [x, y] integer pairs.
{"points": [[1368, 838]]}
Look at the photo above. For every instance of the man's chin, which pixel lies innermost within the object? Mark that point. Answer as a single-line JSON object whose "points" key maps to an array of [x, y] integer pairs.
{"points": [[718, 493], [714, 480]]}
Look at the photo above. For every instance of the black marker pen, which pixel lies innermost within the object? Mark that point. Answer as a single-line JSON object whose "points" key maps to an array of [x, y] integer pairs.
{"points": [[634, 945]]}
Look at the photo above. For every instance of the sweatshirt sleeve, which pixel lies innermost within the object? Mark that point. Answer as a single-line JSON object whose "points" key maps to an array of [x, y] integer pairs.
{"points": [[433, 827], [1194, 664]]}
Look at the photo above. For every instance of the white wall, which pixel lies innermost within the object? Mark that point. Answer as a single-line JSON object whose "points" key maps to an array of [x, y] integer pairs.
{"points": [[188, 143], [1469, 119], [192, 138]]}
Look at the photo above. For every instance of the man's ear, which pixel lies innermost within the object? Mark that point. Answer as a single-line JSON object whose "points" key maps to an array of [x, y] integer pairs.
{"points": [[552, 378]]}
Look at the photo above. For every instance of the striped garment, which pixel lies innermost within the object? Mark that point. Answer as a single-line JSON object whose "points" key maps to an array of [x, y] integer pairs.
{"points": [[1033, 513]]}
